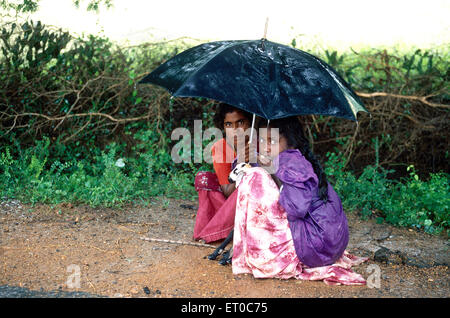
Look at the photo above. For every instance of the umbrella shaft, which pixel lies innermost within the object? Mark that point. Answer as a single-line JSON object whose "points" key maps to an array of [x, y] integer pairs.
{"points": [[251, 131]]}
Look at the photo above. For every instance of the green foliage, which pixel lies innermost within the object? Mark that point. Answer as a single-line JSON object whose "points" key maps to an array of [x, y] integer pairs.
{"points": [[29, 6], [94, 5], [27, 49], [108, 180], [421, 204], [409, 73], [411, 202], [19, 6], [48, 72], [95, 160]]}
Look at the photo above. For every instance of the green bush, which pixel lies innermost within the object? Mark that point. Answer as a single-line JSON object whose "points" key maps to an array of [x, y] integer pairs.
{"points": [[68, 88], [410, 202], [108, 180]]}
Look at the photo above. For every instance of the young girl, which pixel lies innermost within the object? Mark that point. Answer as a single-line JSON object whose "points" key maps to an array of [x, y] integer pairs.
{"points": [[216, 195], [291, 223]]}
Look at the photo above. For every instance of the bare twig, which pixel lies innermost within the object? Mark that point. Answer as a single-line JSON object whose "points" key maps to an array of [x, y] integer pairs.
{"points": [[76, 101], [117, 120], [176, 242], [349, 149], [422, 99]]}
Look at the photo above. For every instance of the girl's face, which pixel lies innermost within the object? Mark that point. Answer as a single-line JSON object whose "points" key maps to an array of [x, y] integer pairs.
{"points": [[272, 144], [235, 124]]}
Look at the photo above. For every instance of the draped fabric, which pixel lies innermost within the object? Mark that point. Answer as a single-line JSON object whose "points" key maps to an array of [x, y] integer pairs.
{"points": [[263, 244], [319, 228], [215, 214]]}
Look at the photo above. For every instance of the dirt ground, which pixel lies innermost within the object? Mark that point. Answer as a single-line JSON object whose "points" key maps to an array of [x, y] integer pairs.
{"points": [[52, 248]]}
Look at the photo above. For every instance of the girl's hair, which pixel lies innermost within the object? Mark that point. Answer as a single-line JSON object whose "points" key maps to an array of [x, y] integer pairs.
{"points": [[223, 109], [292, 130]]}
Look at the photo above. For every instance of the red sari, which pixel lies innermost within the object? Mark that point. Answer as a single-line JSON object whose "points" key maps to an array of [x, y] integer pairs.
{"points": [[215, 215]]}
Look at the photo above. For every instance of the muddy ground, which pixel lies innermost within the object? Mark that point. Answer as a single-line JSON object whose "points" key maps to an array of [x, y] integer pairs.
{"points": [[78, 251]]}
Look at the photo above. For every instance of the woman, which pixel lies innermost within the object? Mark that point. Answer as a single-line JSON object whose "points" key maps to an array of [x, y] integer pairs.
{"points": [[216, 195], [291, 223]]}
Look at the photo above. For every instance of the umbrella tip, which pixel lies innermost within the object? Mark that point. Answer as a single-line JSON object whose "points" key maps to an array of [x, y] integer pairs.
{"points": [[264, 38], [265, 28]]}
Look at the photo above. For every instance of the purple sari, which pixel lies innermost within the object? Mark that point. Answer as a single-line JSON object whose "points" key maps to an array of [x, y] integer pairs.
{"points": [[319, 230]]}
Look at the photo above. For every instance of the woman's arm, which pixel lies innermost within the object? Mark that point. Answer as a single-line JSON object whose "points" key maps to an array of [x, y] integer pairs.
{"points": [[277, 180], [228, 189], [296, 200]]}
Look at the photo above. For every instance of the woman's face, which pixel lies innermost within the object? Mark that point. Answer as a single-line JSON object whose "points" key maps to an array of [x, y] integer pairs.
{"points": [[272, 143], [235, 124]]}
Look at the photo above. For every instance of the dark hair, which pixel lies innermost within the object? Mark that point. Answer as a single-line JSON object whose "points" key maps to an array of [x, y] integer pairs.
{"points": [[223, 109], [292, 130]]}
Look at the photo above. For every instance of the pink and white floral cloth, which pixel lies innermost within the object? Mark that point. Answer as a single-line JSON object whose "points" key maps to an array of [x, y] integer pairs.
{"points": [[263, 245]]}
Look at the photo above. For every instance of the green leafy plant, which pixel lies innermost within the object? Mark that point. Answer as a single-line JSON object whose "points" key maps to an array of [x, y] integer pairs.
{"points": [[410, 202]]}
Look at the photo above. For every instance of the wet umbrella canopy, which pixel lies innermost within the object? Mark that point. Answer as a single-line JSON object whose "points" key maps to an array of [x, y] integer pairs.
{"points": [[265, 78]]}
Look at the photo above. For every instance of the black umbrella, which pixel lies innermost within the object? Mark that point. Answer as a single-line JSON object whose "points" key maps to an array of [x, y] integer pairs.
{"points": [[265, 78]]}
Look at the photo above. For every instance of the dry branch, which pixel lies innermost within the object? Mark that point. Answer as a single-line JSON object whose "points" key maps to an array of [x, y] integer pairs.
{"points": [[49, 118], [422, 99]]}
